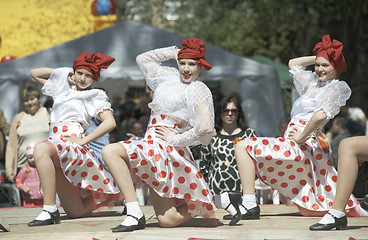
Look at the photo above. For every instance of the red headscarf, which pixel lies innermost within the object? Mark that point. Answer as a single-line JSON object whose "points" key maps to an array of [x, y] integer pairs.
{"points": [[332, 52], [193, 48], [93, 63]]}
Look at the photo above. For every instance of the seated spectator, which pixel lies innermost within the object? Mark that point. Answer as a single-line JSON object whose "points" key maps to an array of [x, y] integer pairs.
{"points": [[354, 127], [339, 132], [28, 182], [128, 106], [357, 114], [126, 124], [136, 131]]}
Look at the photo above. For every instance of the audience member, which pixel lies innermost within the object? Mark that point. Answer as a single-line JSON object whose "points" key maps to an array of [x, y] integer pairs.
{"points": [[136, 131], [28, 182], [99, 143], [339, 132], [127, 109], [126, 124], [144, 119], [217, 163], [28, 126], [4, 131], [357, 114], [115, 105], [142, 113], [354, 127], [282, 128]]}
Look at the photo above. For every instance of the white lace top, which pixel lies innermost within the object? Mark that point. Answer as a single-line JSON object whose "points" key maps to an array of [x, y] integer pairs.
{"points": [[72, 105], [315, 95], [190, 105]]}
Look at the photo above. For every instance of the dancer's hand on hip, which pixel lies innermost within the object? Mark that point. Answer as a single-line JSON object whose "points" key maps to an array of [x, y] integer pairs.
{"points": [[162, 132]]}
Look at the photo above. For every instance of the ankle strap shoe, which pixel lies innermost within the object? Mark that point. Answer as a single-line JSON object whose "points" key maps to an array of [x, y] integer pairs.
{"points": [[251, 214], [364, 203], [140, 225], [339, 224], [55, 218], [235, 199]]}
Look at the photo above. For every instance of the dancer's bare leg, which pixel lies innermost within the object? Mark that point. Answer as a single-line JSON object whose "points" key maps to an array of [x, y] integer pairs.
{"points": [[70, 197], [247, 172], [245, 167], [350, 151], [49, 175], [167, 212], [46, 172], [116, 159]]}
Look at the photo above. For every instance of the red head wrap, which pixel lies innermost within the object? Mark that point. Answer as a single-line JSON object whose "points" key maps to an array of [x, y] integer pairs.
{"points": [[332, 52], [193, 48], [93, 63]]}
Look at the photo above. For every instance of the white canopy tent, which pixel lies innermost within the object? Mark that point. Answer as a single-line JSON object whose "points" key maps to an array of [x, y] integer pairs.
{"points": [[257, 84]]}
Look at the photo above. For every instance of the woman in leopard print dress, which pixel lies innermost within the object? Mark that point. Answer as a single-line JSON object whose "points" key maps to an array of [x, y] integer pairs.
{"points": [[217, 162]]}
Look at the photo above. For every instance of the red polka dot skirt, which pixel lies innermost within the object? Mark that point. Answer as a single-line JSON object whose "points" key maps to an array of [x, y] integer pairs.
{"points": [[171, 171], [80, 165], [301, 173]]}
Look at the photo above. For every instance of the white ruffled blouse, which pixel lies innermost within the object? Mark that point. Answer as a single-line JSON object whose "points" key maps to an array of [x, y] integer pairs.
{"points": [[189, 104], [315, 95], [72, 105]]}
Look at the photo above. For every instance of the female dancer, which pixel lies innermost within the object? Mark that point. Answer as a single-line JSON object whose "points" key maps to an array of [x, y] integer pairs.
{"points": [[295, 164], [350, 151], [182, 115], [65, 163]]}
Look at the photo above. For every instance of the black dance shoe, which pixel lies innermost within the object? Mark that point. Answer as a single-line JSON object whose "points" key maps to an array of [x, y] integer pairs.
{"points": [[124, 212], [253, 213], [4, 225], [364, 203], [140, 225], [339, 224], [235, 199], [55, 218]]}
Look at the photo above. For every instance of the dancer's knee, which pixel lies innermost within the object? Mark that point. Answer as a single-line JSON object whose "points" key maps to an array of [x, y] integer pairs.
{"points": [[111, 151], [167, 221], [346, 147], [40, 151], [76, 213]]}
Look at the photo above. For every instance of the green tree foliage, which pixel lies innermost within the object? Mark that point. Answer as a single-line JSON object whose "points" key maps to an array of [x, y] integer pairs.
{"points": [[278, 29]]}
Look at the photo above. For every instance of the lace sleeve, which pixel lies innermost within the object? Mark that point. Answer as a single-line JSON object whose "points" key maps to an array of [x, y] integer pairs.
{"points": [[96, 102], [333, 97], [201, 117], [302, 79], [150, 65], [57, 82]]}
